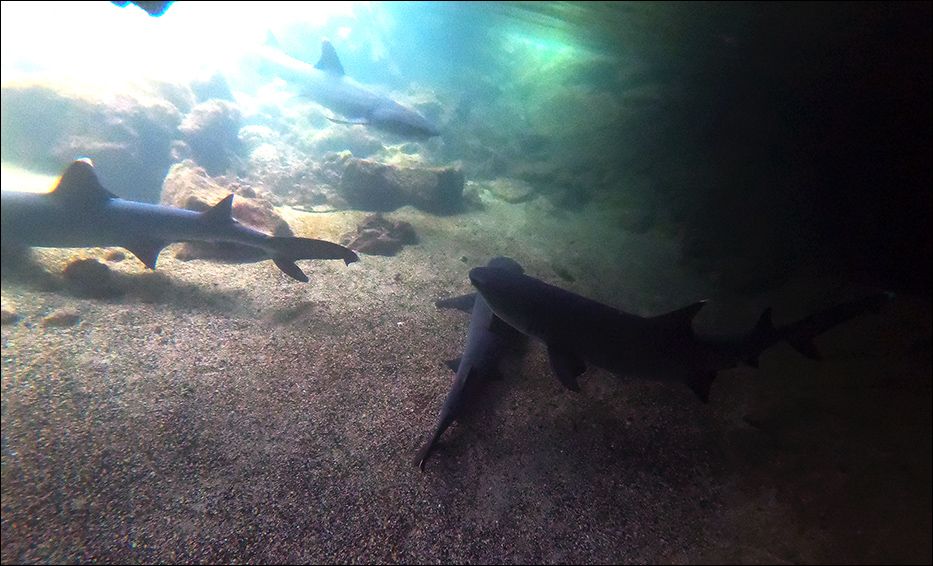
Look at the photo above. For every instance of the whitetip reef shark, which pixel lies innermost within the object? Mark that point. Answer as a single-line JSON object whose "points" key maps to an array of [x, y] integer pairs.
{"points": [[487, 340], [81, 213], [578, 330], [326, 84]]}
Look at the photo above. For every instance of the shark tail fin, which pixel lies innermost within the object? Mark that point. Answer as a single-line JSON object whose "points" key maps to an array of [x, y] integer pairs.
{"points": [[289, 249], [422, 455], [800, 334]]}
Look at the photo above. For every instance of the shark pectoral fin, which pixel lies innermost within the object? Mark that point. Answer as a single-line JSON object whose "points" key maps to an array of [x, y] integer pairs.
{"points": [[147, 252], [701, 384], [422, 455], [567, 366], [360, 122], [499, 326], [463, 303], [454, 364], [290, 268]]}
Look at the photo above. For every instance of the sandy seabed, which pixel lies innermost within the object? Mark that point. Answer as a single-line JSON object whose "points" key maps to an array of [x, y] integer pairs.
{"points": [[226, 413]]}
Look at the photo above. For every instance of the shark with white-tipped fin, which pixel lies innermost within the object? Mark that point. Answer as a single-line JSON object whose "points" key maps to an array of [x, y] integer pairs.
{"points": [[81, 213], [326, 84]]}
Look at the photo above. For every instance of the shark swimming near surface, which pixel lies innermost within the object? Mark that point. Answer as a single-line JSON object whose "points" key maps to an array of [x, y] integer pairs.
{"points": [[578, 330], [488, 338], [326, 84], [80, 212]]}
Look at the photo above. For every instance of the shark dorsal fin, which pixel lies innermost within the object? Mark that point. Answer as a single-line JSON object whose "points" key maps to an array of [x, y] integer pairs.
{"points": [[329, 62], [764, 326], [271, 41], [79, 184], [220, 213], [679, 319]]}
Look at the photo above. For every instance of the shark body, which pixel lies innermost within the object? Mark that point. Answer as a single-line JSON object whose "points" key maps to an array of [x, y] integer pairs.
{"points": [[326, 84], [578, 330], [487, 340], [80, 212]]}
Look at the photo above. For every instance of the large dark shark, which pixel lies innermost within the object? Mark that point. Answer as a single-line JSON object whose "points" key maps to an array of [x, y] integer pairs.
{"points": [[326, 84], [578, 330], [488, 338], [81, 213]]}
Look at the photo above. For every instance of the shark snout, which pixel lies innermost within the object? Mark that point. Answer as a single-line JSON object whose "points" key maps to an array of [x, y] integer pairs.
{"points": [[479, 277], [502, 277]]}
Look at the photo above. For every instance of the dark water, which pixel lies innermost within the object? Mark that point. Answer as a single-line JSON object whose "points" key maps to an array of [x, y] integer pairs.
{"points": [[786, 133]]}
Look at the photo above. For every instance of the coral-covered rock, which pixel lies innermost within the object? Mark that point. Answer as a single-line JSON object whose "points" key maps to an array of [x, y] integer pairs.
{"points": [[298, 181], [212, 130], [126, 130], [210, 86], [89, 278], [378, 235], [62, 318], [368, 185], [189, 186]]}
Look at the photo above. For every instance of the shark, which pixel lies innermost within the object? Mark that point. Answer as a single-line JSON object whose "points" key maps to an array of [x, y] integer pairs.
{"points": [[488, 338], [326, 84], [81, 213], [578, 331]]}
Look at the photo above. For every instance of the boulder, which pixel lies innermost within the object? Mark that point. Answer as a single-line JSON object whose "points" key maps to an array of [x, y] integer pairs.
{"points": [[368, 185]]}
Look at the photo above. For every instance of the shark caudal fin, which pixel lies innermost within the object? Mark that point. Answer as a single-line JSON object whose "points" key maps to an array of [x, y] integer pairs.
{"points": [[800, 334], [288, 250], [422, 455]]}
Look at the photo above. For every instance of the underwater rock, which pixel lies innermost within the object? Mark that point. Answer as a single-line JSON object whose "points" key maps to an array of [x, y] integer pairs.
{"points": [[127, 131], [296, 180], [89, 278], [8, 314], [511, 190], [114, 256], [368, 185], [212, 130], [62, 318], [189, 186], [154, 8], [254, 137], [358, 140], [212, 86], [378, 235]]}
